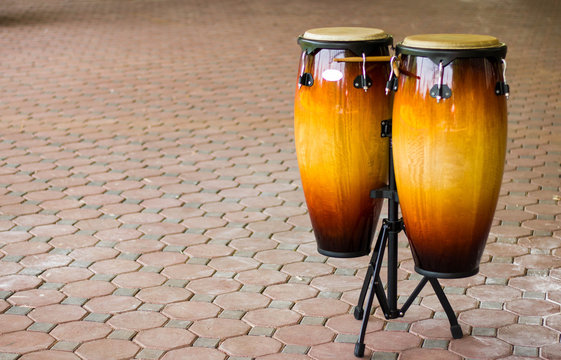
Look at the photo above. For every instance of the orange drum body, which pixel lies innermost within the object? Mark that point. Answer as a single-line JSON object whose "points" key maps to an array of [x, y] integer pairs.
{"points": [[341, 155], [449, 153]]}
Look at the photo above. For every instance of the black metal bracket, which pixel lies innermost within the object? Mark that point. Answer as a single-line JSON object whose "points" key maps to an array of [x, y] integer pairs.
{"points": [[391, 85], [306, 79], [502, 88], [386, 128], [445, 92], [360, 82]]}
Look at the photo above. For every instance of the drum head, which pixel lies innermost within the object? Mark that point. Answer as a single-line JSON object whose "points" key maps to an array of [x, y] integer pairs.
{"points": [[345, 34], [358, 40], [451, 41]]}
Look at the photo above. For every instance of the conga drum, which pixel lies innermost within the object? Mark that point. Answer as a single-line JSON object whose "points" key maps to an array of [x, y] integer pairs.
{"points": [[339, 105], [449, 145]]}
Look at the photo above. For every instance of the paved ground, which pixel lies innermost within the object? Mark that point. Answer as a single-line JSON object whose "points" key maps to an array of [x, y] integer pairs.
{"points": [[150, 203]]}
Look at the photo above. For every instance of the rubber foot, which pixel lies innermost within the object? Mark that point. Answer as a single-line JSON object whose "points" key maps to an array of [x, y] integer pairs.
{"points": [[456, 331], [359, 350], [359, 313]]}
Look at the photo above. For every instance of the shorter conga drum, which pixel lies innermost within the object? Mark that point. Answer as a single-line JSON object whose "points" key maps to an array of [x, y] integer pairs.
{"points": [[449, 145], [339, 105]]}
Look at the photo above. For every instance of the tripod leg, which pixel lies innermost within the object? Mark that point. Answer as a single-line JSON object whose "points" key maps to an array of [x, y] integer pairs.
{"points": [[375, 288], [413, 295], [455, 328], [359, 311]]}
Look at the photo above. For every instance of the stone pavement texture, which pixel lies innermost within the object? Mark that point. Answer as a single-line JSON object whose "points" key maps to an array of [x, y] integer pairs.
{"points": [[150, 202]]}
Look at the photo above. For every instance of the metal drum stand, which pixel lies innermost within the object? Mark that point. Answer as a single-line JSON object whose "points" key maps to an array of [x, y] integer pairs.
{"points": [[388, 234]]}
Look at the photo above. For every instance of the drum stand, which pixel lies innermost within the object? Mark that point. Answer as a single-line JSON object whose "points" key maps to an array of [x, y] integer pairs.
{"points": [[388, 235]]}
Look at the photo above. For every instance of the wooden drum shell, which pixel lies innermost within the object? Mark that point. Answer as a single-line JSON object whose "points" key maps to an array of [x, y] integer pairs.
{"points": [[449, 160], [341, 155]]}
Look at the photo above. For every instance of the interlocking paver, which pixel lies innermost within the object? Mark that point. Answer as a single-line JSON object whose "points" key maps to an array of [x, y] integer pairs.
{"points": [[147, 165]]}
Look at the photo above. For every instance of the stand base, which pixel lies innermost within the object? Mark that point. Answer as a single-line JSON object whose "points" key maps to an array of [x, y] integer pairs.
{"points": [[440, 275]]}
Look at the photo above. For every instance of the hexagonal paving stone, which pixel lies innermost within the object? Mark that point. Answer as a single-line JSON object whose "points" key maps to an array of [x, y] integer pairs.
{"points": [[11, 322], [493, 293], [290, 292], [50, 354], [57, 313], [162, 259], [112, 304], [233, 263], [139, 246], [18, 282], [487, 318], [251, 346], [391, 341], [337, 283], [263, 277], [192, 310], [107, 348], [304, 335], [532, 307], [219, 328], [433, 354], [244, 301], [164, 338], [272, 317], [459, 303], [434, 329], [137, 320], [321, 307], [66, 275], [194, 353], [139, 280], [163, 294], [80, 331], [36, 297], [335, 350], [45, 261], [208, 251], [280, 257], [187, 271], [527, 335], [114, 266], [213, 286], [88, 288], [24, 341], [347, 324]]}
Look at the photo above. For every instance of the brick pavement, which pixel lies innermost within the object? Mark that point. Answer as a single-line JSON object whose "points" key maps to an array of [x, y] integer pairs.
{"points": [[150, 203]]}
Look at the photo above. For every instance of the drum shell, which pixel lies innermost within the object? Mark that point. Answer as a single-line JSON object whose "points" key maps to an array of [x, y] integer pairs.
{"points": [[341, 154], [449, 160]]}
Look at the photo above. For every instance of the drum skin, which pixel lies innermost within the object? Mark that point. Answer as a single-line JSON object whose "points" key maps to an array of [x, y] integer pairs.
{"points": [[449, 160], [341, 155]]}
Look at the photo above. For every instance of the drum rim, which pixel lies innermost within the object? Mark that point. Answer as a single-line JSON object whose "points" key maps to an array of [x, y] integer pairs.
{"points": [[446, 56], [356, 47], [495, 51]]}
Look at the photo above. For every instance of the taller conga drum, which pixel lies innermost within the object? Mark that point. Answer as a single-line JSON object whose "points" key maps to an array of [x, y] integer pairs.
{"points": [[339, 105], [449, 144]]}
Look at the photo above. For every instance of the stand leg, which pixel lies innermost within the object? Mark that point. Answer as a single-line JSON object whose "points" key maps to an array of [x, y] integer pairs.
{"points": [[376, 288], [413, 295], [455, 328], [378, 248]]}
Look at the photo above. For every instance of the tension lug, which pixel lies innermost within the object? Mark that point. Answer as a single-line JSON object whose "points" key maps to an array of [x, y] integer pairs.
{"points": [[306, 79], [443, 93], [502, 88], [360, 82]]}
